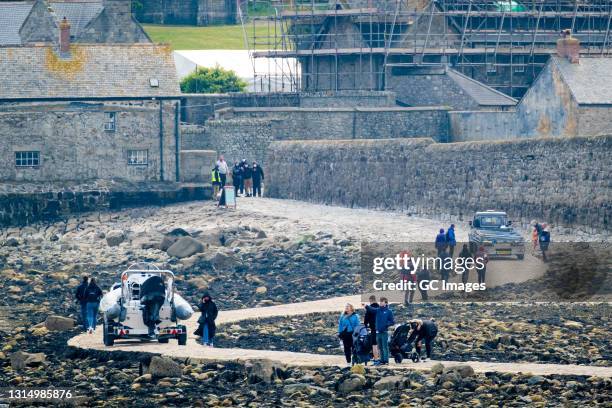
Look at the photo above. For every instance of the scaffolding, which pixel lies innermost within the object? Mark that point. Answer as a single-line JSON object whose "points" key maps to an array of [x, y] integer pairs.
{"points": [[315, 45]]}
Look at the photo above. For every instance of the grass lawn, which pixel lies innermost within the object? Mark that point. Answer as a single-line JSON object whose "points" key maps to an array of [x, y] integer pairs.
{"points": [[227, 37]]}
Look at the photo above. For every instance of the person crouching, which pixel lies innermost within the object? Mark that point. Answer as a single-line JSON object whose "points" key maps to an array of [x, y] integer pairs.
{"points": [[422, 330]]}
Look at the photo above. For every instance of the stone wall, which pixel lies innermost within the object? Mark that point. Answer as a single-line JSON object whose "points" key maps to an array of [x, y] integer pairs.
{"points": [[28, 203], [344, 99], [196, 165], [247, 132], [561, 181], [74, 144], [191, 12]]}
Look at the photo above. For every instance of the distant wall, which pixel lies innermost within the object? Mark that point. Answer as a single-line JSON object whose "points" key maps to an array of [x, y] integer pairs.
{"points": [[343, 99], [563, 181], [191, 12]]}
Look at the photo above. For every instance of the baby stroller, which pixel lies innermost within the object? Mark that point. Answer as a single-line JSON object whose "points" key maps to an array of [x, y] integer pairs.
{"points": [[362, 345], [399, 347]]}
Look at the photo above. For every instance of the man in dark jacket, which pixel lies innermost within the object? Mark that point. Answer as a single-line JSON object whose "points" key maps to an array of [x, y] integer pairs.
{"points": [[384, 320], [258, 177], [247, 176], [451, 240], [237, 177], [80, 297], [207, 327], [422, 330], [441, 241], [369, 321]]}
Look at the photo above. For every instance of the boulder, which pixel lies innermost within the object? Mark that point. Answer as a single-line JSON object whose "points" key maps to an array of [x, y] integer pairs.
{"points": [[305, 388], [164, 367], [185, 247], [262, 290], [224, 260], [357, 369], [20, 359], [115, 237], [261, 234], [437, 368], [171, 237], [464, 370], [12, 242], [353, 383], [390, 383], [264, 370], [59, 323]]}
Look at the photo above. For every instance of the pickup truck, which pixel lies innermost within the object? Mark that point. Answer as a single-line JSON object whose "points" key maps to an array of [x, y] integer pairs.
{"points": [[493, 231]]}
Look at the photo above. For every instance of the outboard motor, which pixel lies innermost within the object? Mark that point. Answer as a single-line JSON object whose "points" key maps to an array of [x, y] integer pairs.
{"points": [[152, 297]]}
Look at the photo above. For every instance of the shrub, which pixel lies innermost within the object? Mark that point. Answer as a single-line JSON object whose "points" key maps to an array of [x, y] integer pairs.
{"points": [[212, 80]]}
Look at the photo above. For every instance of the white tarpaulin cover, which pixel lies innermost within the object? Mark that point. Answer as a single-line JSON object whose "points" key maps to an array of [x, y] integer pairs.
{"points": [[268, 74]]}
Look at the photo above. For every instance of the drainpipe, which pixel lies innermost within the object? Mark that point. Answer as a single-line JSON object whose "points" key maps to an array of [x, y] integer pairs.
{"points": [[161, 142], [177, 141]]}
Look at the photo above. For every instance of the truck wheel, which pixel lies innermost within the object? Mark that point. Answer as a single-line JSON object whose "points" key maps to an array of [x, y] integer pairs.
{"points": [[109, 338], [183, 337], [520, 257], [163, 340]]}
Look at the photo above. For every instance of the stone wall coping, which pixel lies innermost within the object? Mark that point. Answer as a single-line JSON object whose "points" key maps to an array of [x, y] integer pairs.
{"points": [[355, 109]]}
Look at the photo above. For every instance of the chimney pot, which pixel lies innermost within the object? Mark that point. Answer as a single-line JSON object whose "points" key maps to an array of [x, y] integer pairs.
{"points": [[64, 36]]}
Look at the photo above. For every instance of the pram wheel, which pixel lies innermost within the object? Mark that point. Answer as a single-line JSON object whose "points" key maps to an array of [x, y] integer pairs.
{"points": [[398, 358], [415, 357]]}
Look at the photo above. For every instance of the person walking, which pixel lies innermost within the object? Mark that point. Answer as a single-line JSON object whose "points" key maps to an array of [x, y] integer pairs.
{"points": [[247, 175], [384, 320], [440, 241], [465, 254], [544, 239], [423, 276], [258, 178], [446, 265], [535, 236], [80, 296], [369, 321], [347, 323], [207, 327], [451, 241], [223, 170], [215, 179], [481, 254], [422, 330], [237, 177], [93, 294], [243, 165]]}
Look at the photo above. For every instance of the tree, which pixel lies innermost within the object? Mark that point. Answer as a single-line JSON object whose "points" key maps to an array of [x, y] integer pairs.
{"points": [[212, 80]]}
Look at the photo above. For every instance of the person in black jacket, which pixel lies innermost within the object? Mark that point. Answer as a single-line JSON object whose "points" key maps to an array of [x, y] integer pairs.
{"points": [[93, 294], [237, 177], [207, 327], [369, 321], [80, 297], [465, 254], [247, 175], [422, 330], [258, 177]]}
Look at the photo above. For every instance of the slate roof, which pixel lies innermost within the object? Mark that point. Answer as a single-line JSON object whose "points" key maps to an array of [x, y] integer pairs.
{"points": [[78, 14], [92, 71], [12, 16], [590, 81], [483, 95]]}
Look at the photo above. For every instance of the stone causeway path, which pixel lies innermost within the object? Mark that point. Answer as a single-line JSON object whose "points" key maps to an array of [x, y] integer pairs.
{"points": [[198, 353]]}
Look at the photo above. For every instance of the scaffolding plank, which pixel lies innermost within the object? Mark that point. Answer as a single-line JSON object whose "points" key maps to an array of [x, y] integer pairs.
{"points": [[325, 13]]}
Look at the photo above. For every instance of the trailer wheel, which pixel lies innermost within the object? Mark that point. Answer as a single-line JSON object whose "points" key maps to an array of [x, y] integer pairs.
{"points": [[163, 340], [520, 257], [182, 339], [109, 338]]}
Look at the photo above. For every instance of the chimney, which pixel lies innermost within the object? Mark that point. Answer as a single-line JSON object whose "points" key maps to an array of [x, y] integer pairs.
{"points": [[64, 36], [568, 47]]}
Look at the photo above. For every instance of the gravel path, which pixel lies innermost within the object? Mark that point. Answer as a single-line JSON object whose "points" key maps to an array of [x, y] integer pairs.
{"points": [[196, 352]]}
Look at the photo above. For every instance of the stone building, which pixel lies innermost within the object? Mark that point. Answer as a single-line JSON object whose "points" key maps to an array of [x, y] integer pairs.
{"points": [[92, 21], [192, 12], [567, 99], [88, 111]]}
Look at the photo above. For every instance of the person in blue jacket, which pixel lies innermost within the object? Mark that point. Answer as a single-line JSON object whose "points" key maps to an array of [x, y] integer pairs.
{"points": [[384, 320], [349, 320], [441, 241], [451, 241]]}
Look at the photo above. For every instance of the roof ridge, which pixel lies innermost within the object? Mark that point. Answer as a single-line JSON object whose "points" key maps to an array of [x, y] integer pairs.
{"points": [[483, 85]]}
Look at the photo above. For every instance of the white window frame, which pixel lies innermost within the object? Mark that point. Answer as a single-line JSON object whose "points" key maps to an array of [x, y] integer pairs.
{"points": [[138, 157], [27, 158], [520, 67], [111, 122]]}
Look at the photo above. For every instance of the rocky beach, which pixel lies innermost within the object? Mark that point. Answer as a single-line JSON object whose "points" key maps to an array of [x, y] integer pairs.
{"points": [[267, 253]]}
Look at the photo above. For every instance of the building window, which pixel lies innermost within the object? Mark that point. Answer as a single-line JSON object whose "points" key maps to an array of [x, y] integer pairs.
{"points": [[111, 122], [27, 159], [138, 157], [520, 64]]}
